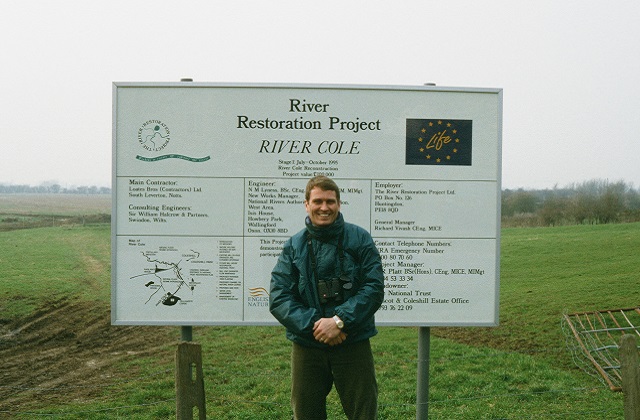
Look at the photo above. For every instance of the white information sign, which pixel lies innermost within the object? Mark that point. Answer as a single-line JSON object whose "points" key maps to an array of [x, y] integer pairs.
{"points": [[209, 183]]}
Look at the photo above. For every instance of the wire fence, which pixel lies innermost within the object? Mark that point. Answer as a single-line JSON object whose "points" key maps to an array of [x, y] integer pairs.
{"points": [[593, 339], [443, 401]]}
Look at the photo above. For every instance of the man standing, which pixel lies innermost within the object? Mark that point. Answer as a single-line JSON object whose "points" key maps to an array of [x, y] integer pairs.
{"points": [[325, 289]]}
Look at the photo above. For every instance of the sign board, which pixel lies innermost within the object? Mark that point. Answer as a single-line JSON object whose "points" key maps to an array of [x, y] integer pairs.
{"points": [[209, 181]]}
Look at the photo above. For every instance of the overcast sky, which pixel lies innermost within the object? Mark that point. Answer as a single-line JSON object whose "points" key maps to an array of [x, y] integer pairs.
{"points": [[570, 71]]}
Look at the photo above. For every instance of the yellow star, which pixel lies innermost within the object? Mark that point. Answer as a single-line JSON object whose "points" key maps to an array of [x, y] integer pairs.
{"points": [[420, 139], [448, 157], [438, 160], [439, 122], [449, 125], [424, 130], [457, 140], [428, 156], [421, 149], [455, 131], [455, 150], [430, 124]]}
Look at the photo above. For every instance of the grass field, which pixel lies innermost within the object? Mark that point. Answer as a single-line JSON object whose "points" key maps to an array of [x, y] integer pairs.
{"points": [[63, 204], [21, 211], [62, 357]]}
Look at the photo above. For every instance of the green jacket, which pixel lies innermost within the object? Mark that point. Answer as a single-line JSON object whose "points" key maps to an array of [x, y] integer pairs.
{"points": [[294, 300]]}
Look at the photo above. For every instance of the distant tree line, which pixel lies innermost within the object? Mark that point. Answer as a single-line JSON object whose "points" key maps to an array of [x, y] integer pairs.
{"points": [[52, 189], [591, 202]]}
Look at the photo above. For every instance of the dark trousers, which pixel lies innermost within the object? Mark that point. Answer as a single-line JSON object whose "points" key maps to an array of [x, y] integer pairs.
{"points": [[349, 367]]}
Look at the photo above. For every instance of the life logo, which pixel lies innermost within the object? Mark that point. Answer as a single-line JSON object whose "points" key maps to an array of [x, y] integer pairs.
{"points": [[154, 135]]}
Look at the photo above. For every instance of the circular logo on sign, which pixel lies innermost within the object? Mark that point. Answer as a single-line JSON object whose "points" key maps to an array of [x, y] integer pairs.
{"points": [[154, 135]]}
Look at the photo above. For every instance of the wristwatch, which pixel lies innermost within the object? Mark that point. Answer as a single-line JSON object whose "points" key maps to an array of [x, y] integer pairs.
{"points": [[339, 322]]}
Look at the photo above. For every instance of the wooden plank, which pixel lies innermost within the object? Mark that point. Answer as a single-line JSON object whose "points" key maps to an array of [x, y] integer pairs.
{"points": [[189, 388], [630, 376]]}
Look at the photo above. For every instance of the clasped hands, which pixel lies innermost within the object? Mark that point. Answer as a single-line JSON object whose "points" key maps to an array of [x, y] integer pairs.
{"points": [[326, 331]]}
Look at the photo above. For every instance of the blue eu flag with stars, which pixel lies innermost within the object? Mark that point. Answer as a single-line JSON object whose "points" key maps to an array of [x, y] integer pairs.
{"points": [[439, 142]]}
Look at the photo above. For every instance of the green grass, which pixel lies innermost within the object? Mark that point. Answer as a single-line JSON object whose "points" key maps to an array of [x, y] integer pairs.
{"points": [[22, 211], [520, 369], [42, 265], [546, 272], [242, 382]]}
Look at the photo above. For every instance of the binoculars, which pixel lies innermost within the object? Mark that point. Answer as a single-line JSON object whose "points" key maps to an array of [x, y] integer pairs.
{"points": [[333, 288]]}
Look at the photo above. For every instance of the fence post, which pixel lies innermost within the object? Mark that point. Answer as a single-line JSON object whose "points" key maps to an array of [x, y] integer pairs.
{"points": [[189, 390], [630, 371]]}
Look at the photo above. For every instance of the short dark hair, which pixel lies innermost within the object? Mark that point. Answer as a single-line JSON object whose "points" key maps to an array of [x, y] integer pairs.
{"points": [[324, 183]]}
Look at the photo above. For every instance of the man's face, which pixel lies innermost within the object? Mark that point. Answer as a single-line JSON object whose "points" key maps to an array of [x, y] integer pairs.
{"points": [[323, 207]]}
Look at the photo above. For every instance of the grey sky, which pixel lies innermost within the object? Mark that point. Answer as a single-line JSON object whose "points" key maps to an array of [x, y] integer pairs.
{"points": [[570, 71]]}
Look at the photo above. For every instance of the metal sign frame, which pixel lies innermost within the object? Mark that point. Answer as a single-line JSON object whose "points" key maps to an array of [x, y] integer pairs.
{"points": [[207, 181]]}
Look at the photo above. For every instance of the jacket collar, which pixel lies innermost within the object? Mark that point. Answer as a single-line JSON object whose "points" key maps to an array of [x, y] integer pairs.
{"points": [[325, 233]]}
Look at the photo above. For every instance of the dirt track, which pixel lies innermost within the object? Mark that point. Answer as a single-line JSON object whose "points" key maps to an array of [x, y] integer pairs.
{"points": [[66, 351]]}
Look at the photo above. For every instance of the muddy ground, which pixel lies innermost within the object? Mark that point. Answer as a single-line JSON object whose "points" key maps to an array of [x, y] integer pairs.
{"points": [[68, 351]]}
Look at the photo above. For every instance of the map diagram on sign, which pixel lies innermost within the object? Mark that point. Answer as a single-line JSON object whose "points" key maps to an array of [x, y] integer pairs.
{"points": [[172, 277]]}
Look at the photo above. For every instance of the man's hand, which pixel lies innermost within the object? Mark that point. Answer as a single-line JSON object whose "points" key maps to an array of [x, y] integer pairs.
{"points": [[326, 331]]}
